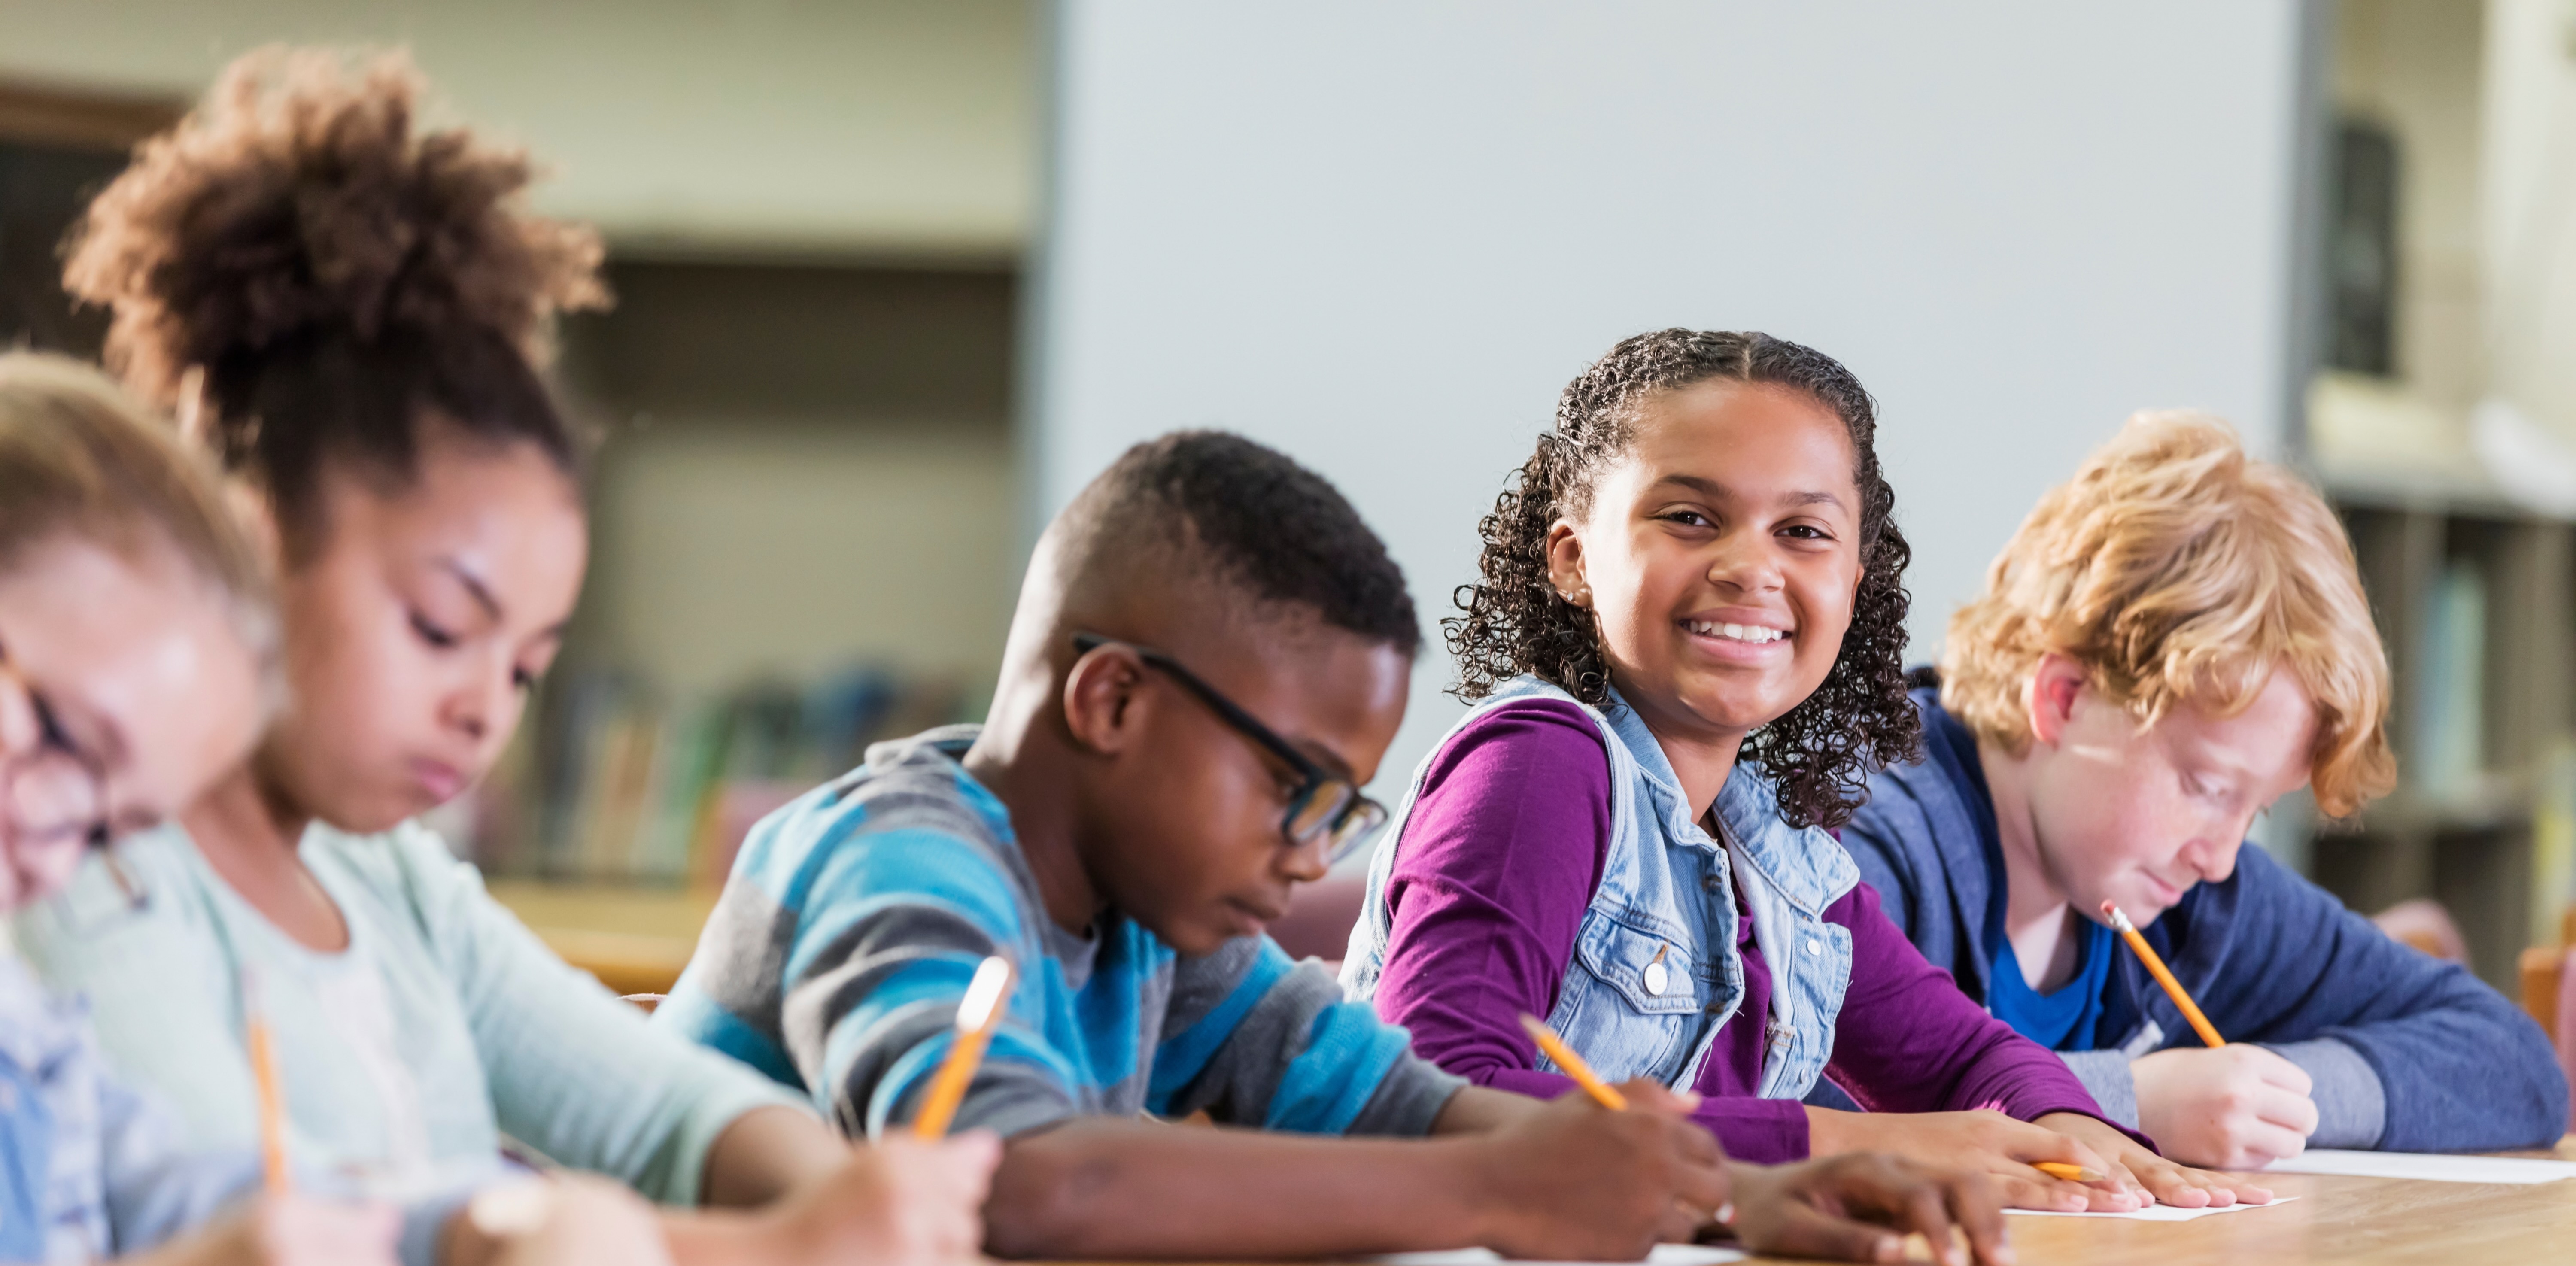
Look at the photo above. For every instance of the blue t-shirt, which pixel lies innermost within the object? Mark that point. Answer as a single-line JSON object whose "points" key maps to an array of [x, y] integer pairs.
{"points": [[2064, 1018], [2091, 1006]]}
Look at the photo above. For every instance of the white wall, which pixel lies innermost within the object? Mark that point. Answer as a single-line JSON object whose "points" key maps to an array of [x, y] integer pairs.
{"points": [[882, 127], [2527, 207], [1381, 235]]}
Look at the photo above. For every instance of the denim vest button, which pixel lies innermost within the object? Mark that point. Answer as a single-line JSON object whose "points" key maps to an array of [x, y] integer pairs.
{"points": [[1656, 978], [1814, 946]]}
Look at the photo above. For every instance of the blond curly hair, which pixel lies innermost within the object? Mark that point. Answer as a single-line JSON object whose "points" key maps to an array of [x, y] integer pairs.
{"points": [[2176, 569]]}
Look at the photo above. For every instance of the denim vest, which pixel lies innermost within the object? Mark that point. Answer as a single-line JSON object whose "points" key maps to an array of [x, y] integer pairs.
{"points": [[1655, 971]]}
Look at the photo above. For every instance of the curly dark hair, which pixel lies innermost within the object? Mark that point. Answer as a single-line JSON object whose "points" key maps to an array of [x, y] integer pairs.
{"points": [[1255, 520], [338, 280], [1821, 753]]}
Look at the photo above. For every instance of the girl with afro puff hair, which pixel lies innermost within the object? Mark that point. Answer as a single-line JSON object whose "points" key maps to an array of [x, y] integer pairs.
{"points": [[353, 313], [1684, 656]]}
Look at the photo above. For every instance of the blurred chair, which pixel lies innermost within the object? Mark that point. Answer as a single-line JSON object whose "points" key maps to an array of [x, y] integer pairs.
{"points": [[1320, 918], [2425, 925], [2549, 994]]}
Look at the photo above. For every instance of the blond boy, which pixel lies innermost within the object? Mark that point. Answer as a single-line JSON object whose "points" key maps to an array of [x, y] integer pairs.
{"points": [[2174, 640]]}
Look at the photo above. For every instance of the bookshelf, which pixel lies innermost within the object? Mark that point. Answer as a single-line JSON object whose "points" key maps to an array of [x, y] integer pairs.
{"points": [[2473, 596]]}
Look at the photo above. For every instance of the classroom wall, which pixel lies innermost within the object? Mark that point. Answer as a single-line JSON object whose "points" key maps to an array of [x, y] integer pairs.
{"points": [[1382, 235], [2527, 208], [892, 127], [2413, 67]]}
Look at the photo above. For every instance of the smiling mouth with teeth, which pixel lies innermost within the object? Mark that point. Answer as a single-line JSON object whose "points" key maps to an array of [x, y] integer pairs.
{"points": [[1753, 633]]}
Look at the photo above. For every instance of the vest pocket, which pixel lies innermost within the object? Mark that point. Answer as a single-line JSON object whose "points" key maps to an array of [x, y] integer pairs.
{"points": [[1611, 1012]]}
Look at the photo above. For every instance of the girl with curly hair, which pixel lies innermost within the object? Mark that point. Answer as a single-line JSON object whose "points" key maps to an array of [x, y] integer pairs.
{"points": [[1684, 653], [353, 314]]}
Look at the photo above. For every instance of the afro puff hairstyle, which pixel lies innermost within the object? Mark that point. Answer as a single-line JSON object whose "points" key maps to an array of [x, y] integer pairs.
{"points": [[326, 280]]}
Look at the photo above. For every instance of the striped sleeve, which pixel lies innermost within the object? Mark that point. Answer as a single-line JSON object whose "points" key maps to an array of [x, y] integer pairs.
{"points": [[896, 921], [1256, 1039]]}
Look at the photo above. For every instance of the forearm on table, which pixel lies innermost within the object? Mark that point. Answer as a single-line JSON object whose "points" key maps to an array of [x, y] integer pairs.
{"points": [[1763, 1131], [1119, 1189], [2352, 1104]]}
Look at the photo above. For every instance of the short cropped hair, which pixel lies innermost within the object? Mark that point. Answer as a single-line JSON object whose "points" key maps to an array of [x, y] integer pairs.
{"points": [[82, 460], [2176, 569], [1256, 522]]}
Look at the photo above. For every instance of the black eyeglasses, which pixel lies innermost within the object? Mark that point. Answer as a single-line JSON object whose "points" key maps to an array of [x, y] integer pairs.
{"points": [[53, 791], [1325, 804]]}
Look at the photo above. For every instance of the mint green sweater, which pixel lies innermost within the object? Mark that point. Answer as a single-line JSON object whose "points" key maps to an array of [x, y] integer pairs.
{"points": [[405, 1058]]}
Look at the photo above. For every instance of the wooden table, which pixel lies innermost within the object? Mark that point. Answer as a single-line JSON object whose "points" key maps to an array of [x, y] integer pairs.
{"points": [[635, 940], [2375, 1221], [2369, 1221]]}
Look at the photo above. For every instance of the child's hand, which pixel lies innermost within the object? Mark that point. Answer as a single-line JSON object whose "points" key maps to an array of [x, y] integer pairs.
{"points": [[896, 1203], [2227, 1107], [2155, 1177], [1859, 1205], [574, 1219], [1576, 1181], [302, 1231], [1988, 1142]]}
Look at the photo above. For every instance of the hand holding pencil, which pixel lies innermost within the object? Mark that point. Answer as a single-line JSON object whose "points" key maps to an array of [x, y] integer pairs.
{"points": [[1855, 1207]]}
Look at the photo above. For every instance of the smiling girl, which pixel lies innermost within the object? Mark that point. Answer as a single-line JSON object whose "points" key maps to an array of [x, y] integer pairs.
{"points": [[1684, 658], [353, 312]]}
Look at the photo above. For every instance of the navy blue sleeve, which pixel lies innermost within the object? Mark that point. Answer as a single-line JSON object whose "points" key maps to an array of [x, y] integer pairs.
{"points": [[2275, 958], [1877, 838]]}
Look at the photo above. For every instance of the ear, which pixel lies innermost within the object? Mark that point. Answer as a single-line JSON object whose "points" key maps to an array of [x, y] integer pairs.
{"points": [[2048, 699], [1105, 703], [1565, 564]]}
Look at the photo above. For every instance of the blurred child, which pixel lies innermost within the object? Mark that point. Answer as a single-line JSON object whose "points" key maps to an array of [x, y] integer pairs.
{"points": [[2175, 639], [350, 310], [124, 585], [1684, 652], [1210, 655]]}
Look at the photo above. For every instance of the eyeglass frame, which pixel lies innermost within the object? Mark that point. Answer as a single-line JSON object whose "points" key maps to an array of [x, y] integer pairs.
{"points": [[51, 736], [1314, 777]]}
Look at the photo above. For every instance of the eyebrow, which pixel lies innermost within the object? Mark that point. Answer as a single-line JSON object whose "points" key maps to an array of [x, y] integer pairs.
{"points": [[1328, 758], [473, 585], [1711, 488]]}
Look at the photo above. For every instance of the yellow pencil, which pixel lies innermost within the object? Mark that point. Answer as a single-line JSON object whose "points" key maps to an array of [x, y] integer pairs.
{"points": [[1606, 1094], [2164, 976], [263, 1074], [978, 1014], [2071, 1173]]}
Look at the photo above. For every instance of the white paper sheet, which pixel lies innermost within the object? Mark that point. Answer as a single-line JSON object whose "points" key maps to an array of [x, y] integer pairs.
{"points": [[2156, 1212], [1664, 1255], [2425, 1167]]}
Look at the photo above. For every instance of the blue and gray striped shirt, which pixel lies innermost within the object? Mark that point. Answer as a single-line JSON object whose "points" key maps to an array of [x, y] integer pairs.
{"points": [[843, 943]]}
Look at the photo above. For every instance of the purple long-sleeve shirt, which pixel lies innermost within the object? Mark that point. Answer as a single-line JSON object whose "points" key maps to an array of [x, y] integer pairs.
{"points": [[1499, 860]]}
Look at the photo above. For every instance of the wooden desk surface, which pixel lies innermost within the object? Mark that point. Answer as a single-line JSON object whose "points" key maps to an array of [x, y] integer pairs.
{"points": [[635, 940], [2364, 1221], [2368, 1221]]}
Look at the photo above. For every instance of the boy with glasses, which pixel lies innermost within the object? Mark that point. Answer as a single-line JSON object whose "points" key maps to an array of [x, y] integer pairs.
{"points": [[1210, 656]]}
